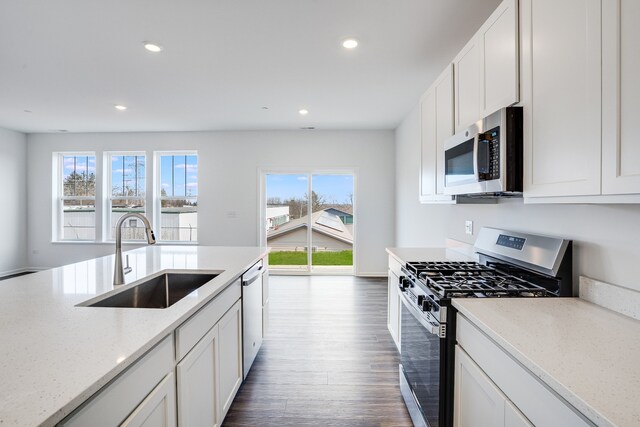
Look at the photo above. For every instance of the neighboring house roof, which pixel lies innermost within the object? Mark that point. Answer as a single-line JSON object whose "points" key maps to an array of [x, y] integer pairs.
{"points": [[323, 222], [337, 211]]}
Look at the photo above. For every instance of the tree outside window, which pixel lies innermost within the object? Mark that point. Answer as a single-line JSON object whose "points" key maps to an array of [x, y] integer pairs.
{"points": [[77, 216]]}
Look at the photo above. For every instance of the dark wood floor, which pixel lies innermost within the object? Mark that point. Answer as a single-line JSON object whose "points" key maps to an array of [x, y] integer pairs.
{"points": [[327, 359]]}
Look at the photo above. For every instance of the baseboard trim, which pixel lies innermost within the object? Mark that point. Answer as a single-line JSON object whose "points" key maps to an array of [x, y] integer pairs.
{"points": [[372, 274]]}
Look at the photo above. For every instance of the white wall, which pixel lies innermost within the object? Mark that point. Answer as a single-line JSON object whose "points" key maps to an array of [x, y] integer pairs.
{"points": [[13, 213], [228, 181], [606, 237]]}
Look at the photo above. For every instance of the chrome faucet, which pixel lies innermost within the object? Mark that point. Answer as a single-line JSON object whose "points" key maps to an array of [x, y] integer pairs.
{"points": [[118, 274]]}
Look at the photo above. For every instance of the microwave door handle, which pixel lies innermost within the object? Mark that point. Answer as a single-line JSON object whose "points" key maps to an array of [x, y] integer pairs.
{"points": [[431, 327], [476, 146]]}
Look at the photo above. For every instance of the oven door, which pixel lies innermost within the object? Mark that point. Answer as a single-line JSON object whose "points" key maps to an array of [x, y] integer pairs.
{"points": [[422, 365]]}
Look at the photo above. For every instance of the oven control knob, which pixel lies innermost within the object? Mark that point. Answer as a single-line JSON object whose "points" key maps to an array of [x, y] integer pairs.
{"points": [[404, 284], [420, 299], [426, 305]]}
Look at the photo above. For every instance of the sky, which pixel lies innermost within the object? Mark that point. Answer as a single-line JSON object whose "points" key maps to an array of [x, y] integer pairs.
{"points": [[334, 188]]}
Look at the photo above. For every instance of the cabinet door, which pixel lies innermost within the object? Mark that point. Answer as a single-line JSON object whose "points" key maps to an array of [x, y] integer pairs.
{"points": [[621, 93], [198, 383], [477, 401], [561, 96], [466, 67], [230, 339], [513, 417], [499, 36], [158, 409], [393, 309], [443, 88], [428, 145], [436, 122]]}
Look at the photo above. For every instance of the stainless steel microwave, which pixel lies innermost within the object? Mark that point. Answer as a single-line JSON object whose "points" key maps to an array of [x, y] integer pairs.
{"points": [[486, 158]]}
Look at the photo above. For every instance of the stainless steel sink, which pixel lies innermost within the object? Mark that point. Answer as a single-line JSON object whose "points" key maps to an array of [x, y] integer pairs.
{"points": [[158, 292]]}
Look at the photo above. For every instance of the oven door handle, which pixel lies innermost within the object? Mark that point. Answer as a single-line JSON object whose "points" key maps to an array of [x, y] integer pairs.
{"points": [[432, 327]]}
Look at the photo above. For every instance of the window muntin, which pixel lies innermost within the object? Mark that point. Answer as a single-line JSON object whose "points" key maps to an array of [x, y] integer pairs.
{"points": [[178, 197], [127, 192], [77, 197]]}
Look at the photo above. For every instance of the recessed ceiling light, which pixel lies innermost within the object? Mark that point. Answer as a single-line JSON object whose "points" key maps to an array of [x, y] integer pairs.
{"points": [[303, 112], [120, 107], [350, 43], [153, 47]]}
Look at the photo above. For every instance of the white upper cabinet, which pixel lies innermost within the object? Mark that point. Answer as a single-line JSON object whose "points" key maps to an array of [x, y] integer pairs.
{"points": [[621, 96], [436, 122], [486, 70], [499, 43], [467, 68], [561, 96]]}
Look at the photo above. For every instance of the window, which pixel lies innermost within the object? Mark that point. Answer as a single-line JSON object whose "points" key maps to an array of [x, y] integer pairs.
{"points": [[77, 197], [178, 196], [127, 194]]}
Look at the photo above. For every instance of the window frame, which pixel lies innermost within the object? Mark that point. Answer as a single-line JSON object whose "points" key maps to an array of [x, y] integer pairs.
{"points": [[58, 234], [109, 197], [158, 198]]}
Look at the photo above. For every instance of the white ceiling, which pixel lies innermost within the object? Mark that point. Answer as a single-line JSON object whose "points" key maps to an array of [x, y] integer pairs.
{"points": [[70, 61]]}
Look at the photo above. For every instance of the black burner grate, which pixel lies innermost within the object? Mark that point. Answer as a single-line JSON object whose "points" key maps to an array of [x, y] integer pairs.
{"points": [[470, 279]]}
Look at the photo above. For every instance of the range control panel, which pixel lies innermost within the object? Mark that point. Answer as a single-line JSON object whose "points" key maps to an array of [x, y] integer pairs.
{"points": [[511, 242]]}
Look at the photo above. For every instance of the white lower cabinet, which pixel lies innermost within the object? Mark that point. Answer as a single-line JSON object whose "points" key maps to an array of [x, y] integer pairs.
{"points": [[158, 409], [393, 301], [513, 417], [198, 384], [493, 390], [478, 401], [130, 394], [230, 358], [210, 375]]}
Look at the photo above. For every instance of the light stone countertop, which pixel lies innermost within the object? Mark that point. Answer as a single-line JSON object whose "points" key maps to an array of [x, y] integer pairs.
{"points": [[56, 355], [404, 255], [587, 354]]}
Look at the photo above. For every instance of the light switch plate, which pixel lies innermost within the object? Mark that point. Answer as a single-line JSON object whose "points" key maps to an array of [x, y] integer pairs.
{"points": [[468, 227]]}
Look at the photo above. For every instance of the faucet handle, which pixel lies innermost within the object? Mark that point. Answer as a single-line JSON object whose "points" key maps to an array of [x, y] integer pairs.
{"points": [[128, 269]]}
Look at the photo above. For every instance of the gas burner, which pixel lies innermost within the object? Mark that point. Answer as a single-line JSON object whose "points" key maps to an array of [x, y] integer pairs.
{"points": [[470, 279]]}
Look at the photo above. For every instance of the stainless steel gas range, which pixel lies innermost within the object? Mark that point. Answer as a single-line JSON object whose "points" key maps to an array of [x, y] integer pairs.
{"points": [[511, 265]]}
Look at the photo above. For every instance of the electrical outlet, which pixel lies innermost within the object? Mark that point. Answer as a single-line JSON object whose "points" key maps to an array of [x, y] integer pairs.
{"points": [[468, 227]]}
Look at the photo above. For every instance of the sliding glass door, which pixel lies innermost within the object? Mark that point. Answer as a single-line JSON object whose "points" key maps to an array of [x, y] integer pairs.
{"points": [[308, 222], [287, 214]]}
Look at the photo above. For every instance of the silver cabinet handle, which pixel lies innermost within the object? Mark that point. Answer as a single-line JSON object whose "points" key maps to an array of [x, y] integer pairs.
{"points": [[253, 278]]}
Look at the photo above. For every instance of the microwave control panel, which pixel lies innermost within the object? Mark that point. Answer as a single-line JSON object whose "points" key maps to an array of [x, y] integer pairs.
{"points": [[490, 142]]}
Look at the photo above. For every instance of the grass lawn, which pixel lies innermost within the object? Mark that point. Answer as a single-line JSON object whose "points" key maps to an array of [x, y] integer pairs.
{"points": [[318, 258]]}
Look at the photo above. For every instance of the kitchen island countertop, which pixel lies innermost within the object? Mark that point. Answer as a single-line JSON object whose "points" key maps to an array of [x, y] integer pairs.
{"points": [[56, 355], [588, 355]]}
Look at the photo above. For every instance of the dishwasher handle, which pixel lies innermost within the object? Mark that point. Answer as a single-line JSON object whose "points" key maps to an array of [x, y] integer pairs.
{"points": [[253, 278]]}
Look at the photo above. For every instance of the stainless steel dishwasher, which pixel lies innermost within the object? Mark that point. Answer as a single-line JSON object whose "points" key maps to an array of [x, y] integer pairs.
{"points": [[251, 314]]}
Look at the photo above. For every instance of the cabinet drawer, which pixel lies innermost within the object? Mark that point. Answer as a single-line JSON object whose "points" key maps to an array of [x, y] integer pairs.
{"points": [[538, 403], [113, 404], [191, 331]]}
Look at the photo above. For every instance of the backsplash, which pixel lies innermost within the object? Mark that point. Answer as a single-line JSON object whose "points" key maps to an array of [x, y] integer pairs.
{"points": [[622, 300]]}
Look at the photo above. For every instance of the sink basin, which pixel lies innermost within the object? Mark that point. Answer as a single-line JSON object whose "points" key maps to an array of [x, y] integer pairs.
{"points": [[158, 292]]}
